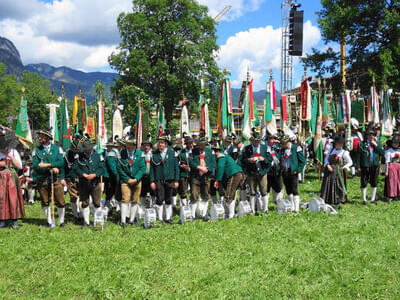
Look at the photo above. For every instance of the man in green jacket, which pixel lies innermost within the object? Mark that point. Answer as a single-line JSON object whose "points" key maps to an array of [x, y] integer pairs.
{"points": [[112, 184], [202, 164], [184, 157], [164, 177], [48, 167], [72, 181], [89, 168], [368, 161], [292, 163], [230, 175], [131, 168], [256, 163]]}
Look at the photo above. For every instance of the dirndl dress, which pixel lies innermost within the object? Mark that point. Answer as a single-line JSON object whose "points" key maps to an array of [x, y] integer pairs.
{"points": [[11, 199], [333, 188]]}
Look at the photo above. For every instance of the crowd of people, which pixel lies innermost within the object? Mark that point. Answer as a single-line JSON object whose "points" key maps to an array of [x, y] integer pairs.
{"points": [[192, 172]]}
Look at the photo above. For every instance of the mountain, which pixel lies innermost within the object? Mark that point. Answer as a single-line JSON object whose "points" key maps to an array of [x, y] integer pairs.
{"points": [[72, 79], [258, 96], [10, 57]]}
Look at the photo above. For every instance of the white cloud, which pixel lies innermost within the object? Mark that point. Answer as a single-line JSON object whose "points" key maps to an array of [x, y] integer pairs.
{"points": [[260, 50], [239, 7], [76, 33]]}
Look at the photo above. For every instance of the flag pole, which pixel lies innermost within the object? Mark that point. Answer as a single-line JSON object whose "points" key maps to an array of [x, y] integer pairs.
{"points": [[319, 101]]}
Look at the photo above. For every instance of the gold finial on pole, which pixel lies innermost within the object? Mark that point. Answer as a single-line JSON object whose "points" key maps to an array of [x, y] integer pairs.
{"points": [[270, 74], [80, 91], [324, 84], [63, 90], [23, 91]]}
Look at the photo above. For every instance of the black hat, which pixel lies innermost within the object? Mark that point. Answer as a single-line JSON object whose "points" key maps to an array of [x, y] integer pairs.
{"points": [[216, 147], [188, 139], [163, 137], [396, 139], [228, 139], [130, 139], [86, 145], [339, 139], [255, 137], [147, 141], [202, 141], [46, 133], [371, 131]]}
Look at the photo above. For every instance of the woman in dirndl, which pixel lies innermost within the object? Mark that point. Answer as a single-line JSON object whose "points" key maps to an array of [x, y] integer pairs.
{"points": [[11, 199], [392, 170], [333, 189]]}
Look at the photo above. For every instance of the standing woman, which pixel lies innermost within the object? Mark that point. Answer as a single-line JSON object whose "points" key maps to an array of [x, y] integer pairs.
{"points": [[11, 200], [333, 189]]}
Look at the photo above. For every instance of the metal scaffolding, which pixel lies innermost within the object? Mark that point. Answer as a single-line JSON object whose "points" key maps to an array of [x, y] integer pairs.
{"points": [[286, 59]]}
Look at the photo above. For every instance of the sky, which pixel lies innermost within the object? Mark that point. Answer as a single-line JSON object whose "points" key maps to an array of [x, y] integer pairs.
{"points": [[81, 34]]}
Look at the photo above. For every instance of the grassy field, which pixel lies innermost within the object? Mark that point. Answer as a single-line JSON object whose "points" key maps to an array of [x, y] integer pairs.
{"points": [[355, 254]]}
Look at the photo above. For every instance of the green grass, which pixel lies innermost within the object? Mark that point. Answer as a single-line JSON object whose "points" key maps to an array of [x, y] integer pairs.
{"points": [[355, 254]]}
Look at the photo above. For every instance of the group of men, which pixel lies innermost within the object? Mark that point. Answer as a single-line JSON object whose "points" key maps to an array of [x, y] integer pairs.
{"points": [[194, 172], [197, 172]]}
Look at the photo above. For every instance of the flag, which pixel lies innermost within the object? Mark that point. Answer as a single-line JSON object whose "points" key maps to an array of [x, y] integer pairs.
{"points": [[117, 126], [250, 117], [53, 122], [314, 113], [357, 110], [161, 119], [65, 133], [139, 127], [79, 114], [374, 106], [101, 132], [318, 146], [23, 130], [91, 127], [75, 111], [339, 115], [184, 119], [305, 91], [284, 108], [225, 121], [269, 108], [346, 106], [325, 113], [388, 119]]}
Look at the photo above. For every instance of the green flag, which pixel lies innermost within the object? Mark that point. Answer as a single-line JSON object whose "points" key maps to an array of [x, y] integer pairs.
{"points": [[23, 130], [65, 140], [314, 113]]}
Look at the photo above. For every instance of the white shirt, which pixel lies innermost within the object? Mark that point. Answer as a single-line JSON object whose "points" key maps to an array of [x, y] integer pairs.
{"points": [[344, 154], [15, 154], [390, 155]]}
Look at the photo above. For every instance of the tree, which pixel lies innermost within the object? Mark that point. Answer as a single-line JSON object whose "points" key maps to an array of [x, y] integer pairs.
{"points": [[166, 45], [371, 32], [10, 95], [38, 94]]}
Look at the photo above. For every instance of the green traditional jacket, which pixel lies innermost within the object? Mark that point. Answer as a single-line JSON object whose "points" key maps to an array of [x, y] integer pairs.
{"points": [[131, 168], [259, 168], [112, 163], [55, 157], [184, 159], [363, 155], [94, 164], [229, 150], [195, 161], [69, 159], [164, 169], [226, 167], [297, 160]]}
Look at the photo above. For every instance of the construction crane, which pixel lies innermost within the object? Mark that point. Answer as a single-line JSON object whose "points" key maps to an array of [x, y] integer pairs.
{"points": [[222, 13]]}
